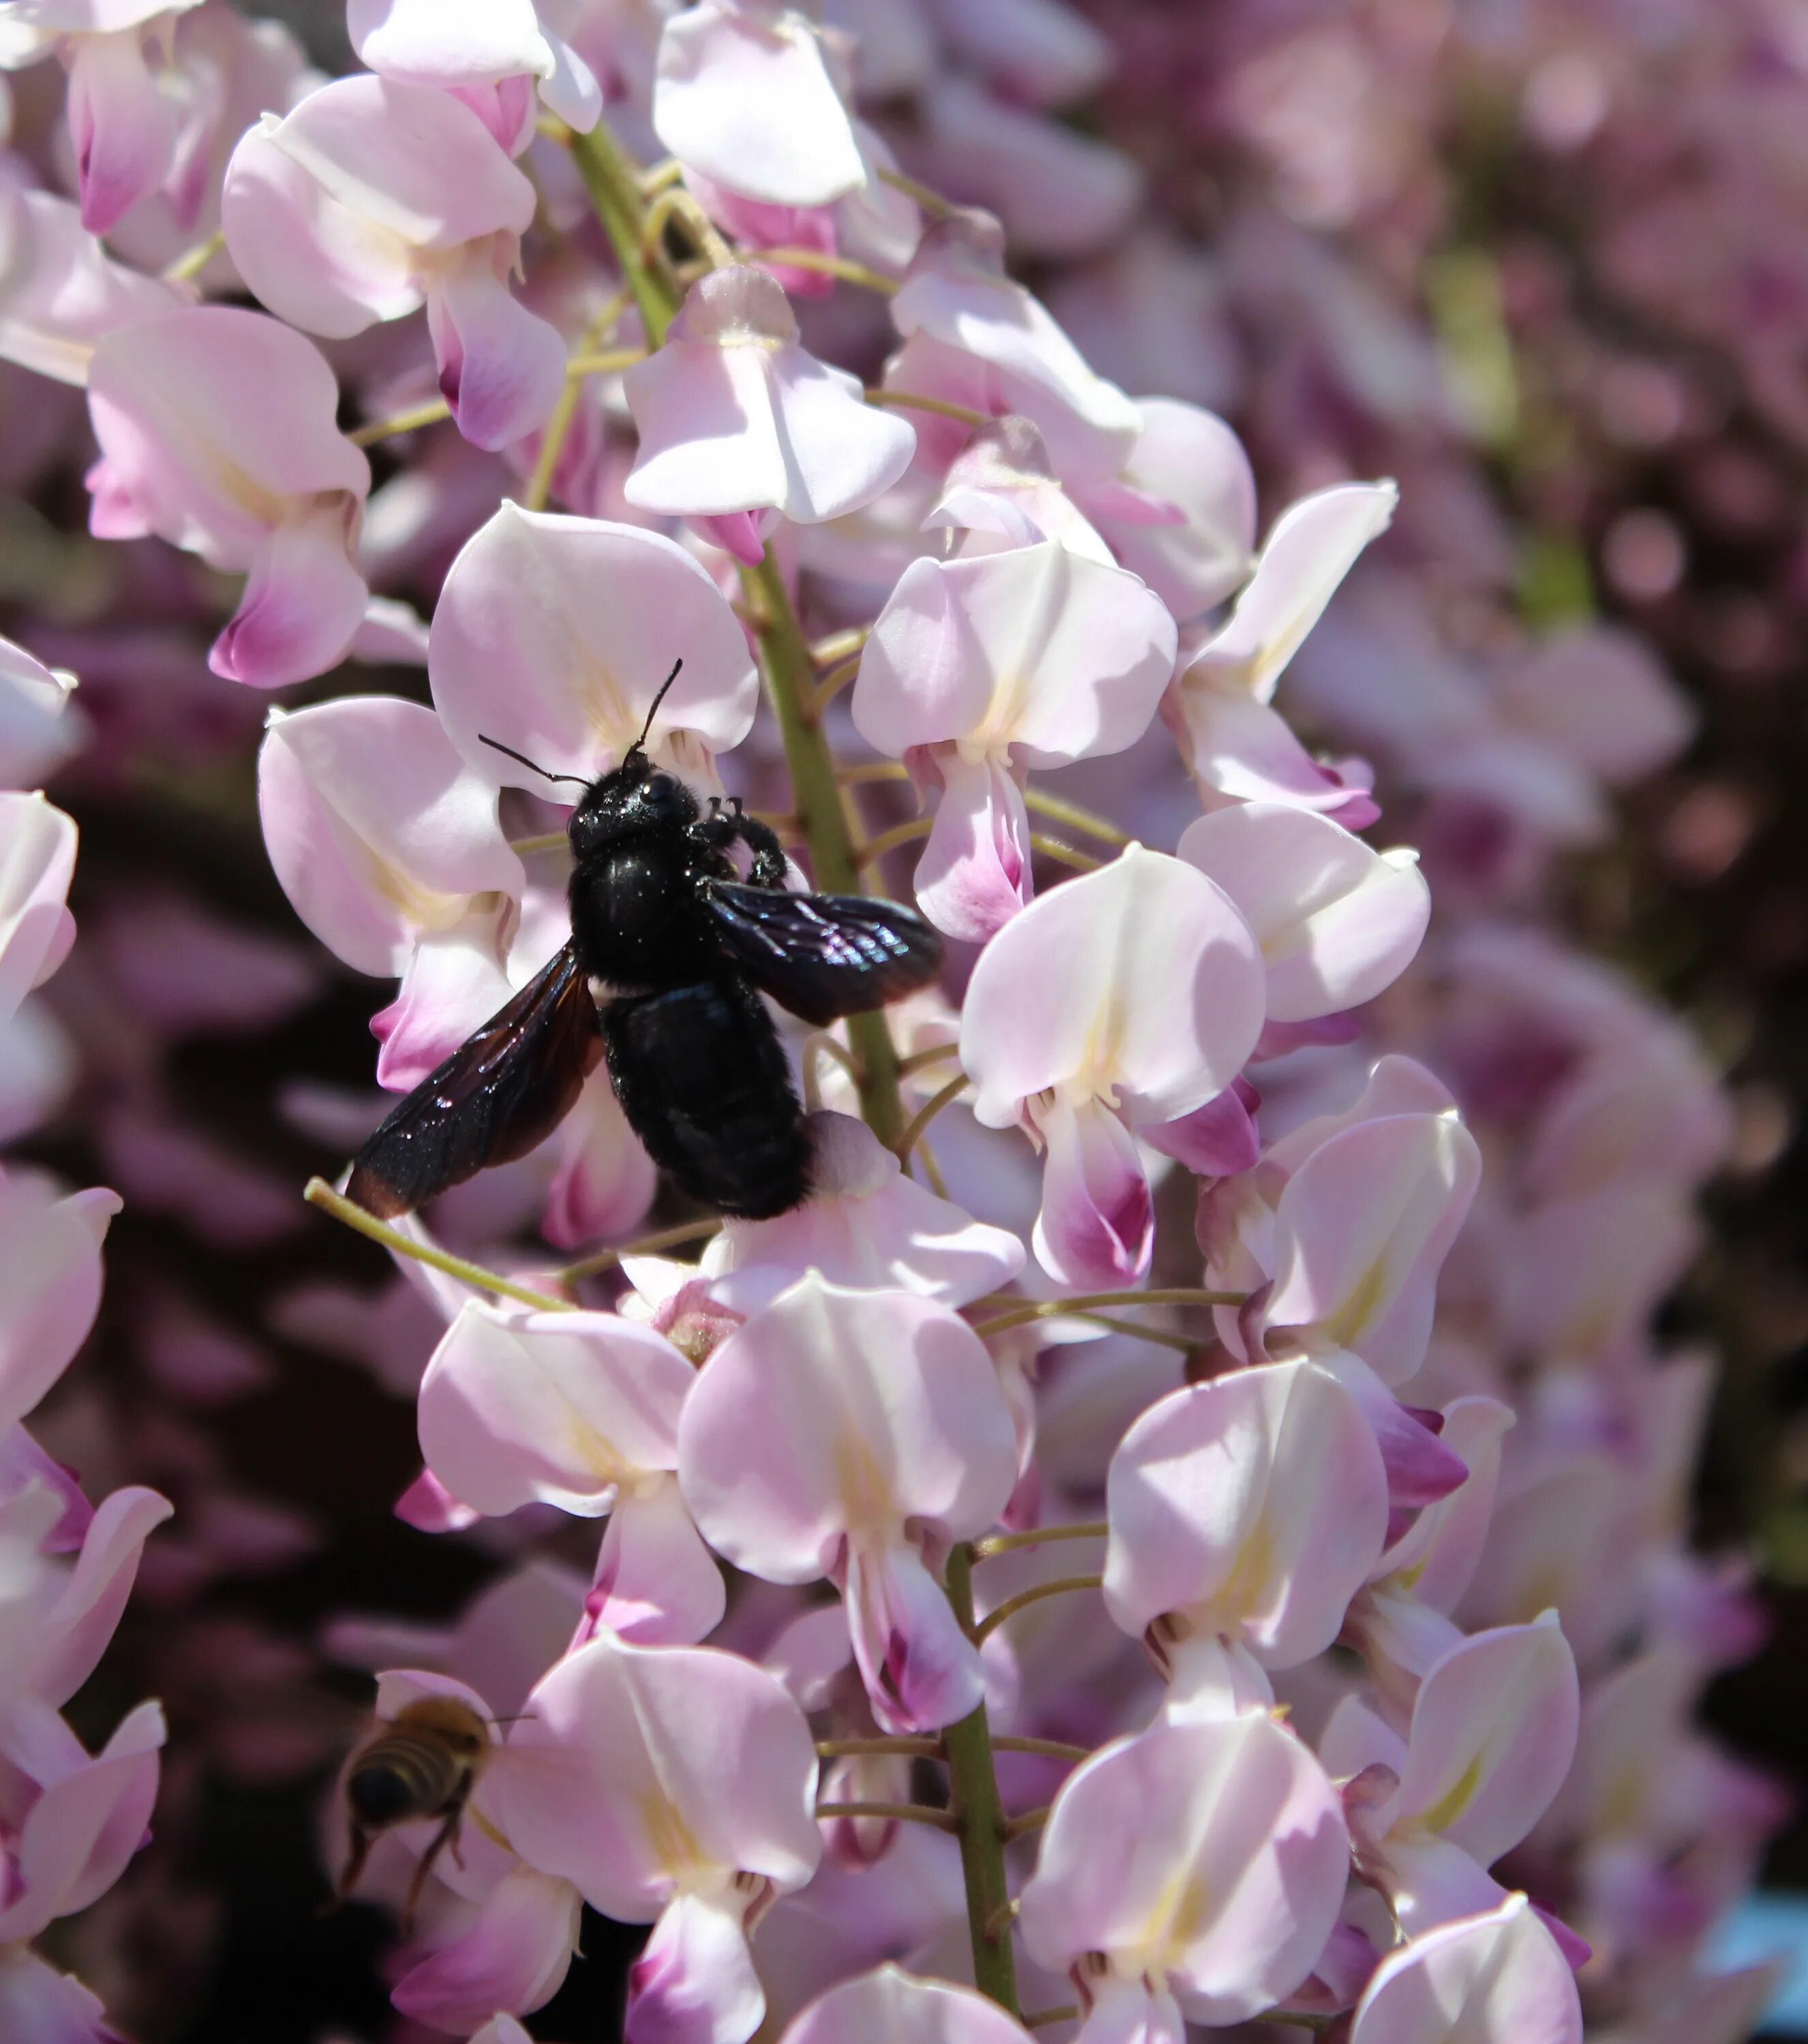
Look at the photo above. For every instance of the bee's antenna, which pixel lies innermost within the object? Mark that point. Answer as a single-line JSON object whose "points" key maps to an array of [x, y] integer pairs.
{"points": [[497, 745], [640, 743]]}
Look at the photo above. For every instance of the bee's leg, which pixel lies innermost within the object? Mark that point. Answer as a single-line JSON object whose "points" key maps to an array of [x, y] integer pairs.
{"points": [[361, 1842], [763, 842], [444, 1836]]}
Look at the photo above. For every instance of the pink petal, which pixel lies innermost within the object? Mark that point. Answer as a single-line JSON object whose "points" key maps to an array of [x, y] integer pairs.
{"points": [[1337, 923], [68, 293], [429, 1507], [747, 101], [694, 1984], [733, 415], [513, 1956], [562, 1409], [1213, 1856], [302, 604], [38, 862], [453, 984], [377, 830], [75, 1630], [79, 1835], [50, 1283], [122, 127], [1360, 1231], [1096, 1229], [1036, 647], [975, 873], [1253, 1507], [1132, 2012], [1315, 544], [1497, 1979], [1494, 1732], [1241, 750], [837, 1412], [639, 1766], [502, 368], [656, 1583], [1216, 1140], [920, 1670], [448, 42], [39, 2005], [866, 1226], [180, 403], [1140, 978], [553, 635], [889, 2006], [1192, 460], [604, 1181]]}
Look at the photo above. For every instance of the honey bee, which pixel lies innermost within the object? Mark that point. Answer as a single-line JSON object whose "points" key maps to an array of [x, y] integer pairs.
{"points": [[423, 1763]]}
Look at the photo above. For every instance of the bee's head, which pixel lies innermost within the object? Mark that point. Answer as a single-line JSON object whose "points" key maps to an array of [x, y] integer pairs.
{"points": [[635, 796]]}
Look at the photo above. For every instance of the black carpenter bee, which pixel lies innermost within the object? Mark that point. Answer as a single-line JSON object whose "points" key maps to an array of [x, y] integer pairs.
{"points": [[425, 1762], [685, 949]]}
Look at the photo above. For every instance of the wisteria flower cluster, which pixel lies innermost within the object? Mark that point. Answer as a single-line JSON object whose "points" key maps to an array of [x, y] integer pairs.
{"points": [[1074, 1572]]}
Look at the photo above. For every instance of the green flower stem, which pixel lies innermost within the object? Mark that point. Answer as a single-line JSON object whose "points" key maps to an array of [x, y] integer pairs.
{"points": [[614, 187], [784, 662], [973, 1788], [791, 685]]}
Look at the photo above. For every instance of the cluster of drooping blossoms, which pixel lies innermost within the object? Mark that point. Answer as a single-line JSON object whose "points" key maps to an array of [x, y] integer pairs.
{"points": [[70, 1819], [919, 1731]]}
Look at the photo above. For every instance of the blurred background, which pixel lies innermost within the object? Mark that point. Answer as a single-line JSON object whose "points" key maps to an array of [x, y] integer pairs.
{"points": [[1545, 264]]}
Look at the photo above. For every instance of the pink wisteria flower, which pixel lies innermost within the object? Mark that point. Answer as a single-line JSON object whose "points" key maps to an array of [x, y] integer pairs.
{"points": [[1245, 1514], [1193, 1871], [977, 671], [745, 96], [193, 450], [1221, 705], [1123, 1001], [735, 417], [1498, 1978], [553, 635], [1492, 1734], [579, 1411], [37, 862], [494, 57], [851, 1434], [123, 129], [387, 844], [671, 1785], [376, 197], [62, 291]]}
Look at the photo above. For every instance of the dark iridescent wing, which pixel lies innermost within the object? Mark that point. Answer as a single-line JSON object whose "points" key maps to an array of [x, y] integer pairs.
{"points": [[823, 955], [493, 1100]]}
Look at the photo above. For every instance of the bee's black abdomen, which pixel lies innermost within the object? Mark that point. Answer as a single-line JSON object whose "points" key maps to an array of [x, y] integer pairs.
{"points": [[702, 1078], [380, 1795]]}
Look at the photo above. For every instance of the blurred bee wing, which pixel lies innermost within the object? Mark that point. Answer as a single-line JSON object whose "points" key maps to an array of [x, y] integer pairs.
{"points": [[823, 955], [495, 1098]]}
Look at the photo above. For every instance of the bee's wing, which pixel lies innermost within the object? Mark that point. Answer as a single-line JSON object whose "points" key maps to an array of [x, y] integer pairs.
{"points": [[823, 955], [493, 1100]]}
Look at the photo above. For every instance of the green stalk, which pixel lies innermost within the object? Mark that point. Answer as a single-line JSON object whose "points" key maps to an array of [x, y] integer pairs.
{"points": [[785, 662], [973, 1788], [816, 797], [615, 192]]}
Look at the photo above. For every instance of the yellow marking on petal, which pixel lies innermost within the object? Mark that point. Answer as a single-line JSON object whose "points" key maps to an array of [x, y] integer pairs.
{"points": [[674, 1846], [1346, 1325], [1182, 1910], [1450, 1806], [1242, 1589]]}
